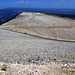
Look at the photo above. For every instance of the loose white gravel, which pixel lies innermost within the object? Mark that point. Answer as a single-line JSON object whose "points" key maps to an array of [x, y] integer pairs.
{"points": [[21, 48]]}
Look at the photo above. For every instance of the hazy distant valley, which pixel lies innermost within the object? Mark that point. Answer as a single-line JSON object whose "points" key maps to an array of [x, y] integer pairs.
{"points": [[10, 13]]}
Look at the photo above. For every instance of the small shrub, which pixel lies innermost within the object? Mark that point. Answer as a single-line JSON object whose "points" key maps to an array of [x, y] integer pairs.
{"points": [[55, 59], [38, 58], [42, 59], [29, 60], [4, 68]]}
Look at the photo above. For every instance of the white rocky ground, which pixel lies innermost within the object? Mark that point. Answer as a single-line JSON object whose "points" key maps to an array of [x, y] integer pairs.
{"points": [[28, 54], [24, 49], [33, 69], [21, 47]]}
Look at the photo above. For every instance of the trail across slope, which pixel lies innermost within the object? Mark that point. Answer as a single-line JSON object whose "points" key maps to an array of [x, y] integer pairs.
{"points": [[22, 48]]}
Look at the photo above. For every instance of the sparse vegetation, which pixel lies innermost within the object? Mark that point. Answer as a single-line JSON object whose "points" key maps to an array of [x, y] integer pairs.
{"points": [[29, 60], [4, 67], [38, 58]]}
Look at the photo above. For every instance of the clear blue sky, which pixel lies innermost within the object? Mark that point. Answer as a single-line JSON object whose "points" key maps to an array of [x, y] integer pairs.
{"points": [[38, 3]]}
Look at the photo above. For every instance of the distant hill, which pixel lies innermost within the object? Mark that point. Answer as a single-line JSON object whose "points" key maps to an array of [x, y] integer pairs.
{"points": [[7, 14]]}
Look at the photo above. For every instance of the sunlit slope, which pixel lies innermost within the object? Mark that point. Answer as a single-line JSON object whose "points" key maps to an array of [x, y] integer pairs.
{"points": [[42, 25]]}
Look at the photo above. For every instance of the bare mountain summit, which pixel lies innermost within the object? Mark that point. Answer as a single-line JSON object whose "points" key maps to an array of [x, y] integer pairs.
{"points": [[42, 25], [37, 44]]}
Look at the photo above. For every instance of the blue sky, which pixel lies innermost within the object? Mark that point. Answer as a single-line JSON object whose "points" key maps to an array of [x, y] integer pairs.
{"points": [[38, 3]]}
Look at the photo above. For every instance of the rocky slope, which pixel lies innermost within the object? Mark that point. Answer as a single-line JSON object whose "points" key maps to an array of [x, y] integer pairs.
{"points": [[36, 38], [42, 25]]}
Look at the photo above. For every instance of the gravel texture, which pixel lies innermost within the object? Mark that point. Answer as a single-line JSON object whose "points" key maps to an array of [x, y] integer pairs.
{"points": [[32, 45], [22, 48], [33, 69]]}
